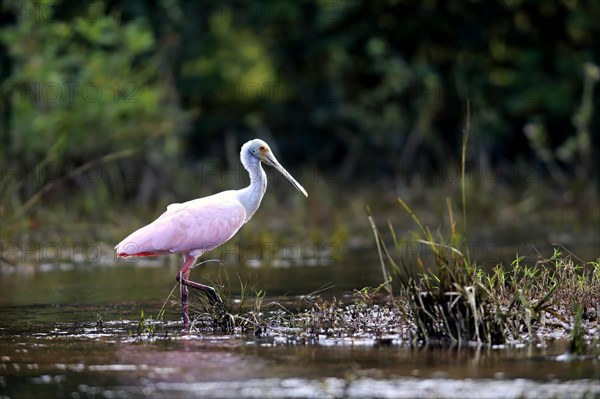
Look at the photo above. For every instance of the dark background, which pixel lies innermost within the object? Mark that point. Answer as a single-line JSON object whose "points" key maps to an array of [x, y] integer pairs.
{"points": [[111, 110]]}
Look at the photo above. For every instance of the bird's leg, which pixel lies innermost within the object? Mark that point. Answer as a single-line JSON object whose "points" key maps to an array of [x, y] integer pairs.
{"points": [[211, 293], [184, 281], [183, 274], [184, 305]]}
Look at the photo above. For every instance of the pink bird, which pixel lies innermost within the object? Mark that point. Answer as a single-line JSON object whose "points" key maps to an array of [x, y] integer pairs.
{"points": [[195, 227]]}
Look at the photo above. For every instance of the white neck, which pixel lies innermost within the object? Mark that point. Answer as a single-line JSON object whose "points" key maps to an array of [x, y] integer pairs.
{"points": [[251, 196]]}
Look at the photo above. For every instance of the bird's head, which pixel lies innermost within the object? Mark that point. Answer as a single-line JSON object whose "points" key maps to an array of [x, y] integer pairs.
{"points": [[260, 150]]}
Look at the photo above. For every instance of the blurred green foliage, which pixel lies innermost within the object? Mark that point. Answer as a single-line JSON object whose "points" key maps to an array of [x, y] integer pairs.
{"points": [[80, 89], [361, 90]]}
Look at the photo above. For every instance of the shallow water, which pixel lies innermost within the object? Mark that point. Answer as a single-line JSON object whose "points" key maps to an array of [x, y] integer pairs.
{"points": [[53, 345]]}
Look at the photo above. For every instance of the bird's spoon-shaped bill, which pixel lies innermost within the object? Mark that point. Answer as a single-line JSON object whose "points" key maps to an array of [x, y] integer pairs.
{"points": [[270, 160]]}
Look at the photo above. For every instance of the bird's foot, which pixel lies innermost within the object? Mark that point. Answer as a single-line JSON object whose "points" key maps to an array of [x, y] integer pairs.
{"points": [[213, 297]]}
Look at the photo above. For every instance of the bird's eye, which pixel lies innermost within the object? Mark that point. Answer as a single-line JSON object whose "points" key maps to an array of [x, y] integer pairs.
{"points": [[261, 148]]}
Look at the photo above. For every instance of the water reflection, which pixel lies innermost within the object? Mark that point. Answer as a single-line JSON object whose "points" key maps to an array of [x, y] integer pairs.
{"points": [[71, 360]]}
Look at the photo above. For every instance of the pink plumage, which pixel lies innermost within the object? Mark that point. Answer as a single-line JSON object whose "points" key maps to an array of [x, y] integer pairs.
{"points": [[193, 227]]}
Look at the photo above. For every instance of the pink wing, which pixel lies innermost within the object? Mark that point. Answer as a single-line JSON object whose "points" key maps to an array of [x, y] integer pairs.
{"points": [[196, 226]]}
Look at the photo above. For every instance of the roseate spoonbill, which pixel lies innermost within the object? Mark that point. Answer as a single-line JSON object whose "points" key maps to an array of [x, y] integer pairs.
{"points": [[201, 225]]}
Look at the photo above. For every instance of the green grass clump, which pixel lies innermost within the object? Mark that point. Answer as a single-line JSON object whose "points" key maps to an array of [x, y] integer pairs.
{"points": [[459, 301]]}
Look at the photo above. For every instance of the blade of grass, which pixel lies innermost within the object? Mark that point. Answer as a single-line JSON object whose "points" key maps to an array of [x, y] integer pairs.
{"points": [[384, 272], [463, 164]]}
